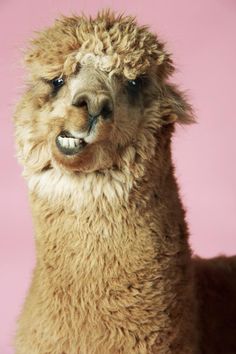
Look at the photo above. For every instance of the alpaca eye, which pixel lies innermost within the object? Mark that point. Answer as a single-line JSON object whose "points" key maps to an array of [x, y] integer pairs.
{"points": [[134, 85], [58, 82]]}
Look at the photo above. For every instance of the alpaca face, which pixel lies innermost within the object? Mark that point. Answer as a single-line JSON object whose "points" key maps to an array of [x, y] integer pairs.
{"points": [[97, 98], [94, 117]]}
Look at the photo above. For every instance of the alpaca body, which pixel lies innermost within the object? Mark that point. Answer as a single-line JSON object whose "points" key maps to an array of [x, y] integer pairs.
{"points": [[114, 273], [110, 279]]}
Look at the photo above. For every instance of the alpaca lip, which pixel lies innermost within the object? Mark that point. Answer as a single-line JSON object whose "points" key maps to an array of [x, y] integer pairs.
{"points": [[68, 144]]}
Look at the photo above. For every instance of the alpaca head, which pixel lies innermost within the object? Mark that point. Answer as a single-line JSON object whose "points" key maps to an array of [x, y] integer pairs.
{"points": [[97, 96]]}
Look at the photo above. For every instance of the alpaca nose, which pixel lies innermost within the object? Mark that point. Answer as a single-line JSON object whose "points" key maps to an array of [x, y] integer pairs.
{"points": [[97, 104]]}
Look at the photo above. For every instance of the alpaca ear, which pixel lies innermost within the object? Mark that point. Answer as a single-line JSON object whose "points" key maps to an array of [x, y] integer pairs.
{"points": [[174, 106], [165, 66]]}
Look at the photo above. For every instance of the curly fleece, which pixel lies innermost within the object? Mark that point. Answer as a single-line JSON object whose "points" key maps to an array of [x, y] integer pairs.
{"points": [[131, 49]]}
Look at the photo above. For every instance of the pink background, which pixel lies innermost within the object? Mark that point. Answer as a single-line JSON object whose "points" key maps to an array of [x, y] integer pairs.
{"points": [[201, 34]]}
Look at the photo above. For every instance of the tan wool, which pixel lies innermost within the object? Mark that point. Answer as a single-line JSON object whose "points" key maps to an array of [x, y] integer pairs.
{"points": [[114, 272]]}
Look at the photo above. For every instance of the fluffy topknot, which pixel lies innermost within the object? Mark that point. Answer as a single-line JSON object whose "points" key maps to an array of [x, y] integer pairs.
{"points": [[132, 48]]}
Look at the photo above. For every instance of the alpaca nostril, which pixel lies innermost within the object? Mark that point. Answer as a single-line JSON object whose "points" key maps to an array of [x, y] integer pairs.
{"points": [[81, 102], [107, 109]]}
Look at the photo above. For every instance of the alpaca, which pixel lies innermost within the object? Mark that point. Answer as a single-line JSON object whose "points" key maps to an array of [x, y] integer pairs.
{"points": [[114, 271]]}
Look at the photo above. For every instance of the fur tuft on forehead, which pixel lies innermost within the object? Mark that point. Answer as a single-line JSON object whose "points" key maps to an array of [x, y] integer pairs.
{"points": [[115, 41]]}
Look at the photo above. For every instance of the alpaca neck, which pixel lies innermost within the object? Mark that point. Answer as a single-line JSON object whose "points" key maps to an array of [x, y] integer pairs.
{"points": [[124, 236]]}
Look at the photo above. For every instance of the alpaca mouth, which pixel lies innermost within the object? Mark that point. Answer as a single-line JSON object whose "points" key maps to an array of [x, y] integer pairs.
{"points": [[69, 144]]}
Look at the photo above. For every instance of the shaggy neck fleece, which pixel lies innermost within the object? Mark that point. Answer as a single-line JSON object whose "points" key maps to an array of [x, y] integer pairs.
{"points": [[115, 268]]}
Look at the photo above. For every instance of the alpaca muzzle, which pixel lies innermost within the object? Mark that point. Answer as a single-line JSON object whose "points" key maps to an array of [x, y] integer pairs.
{"points": [[97, 111]]}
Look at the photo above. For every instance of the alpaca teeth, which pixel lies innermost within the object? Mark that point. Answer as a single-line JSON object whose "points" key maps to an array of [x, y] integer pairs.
{"points": [[69, 143], [66, 142], [60, 140]]}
